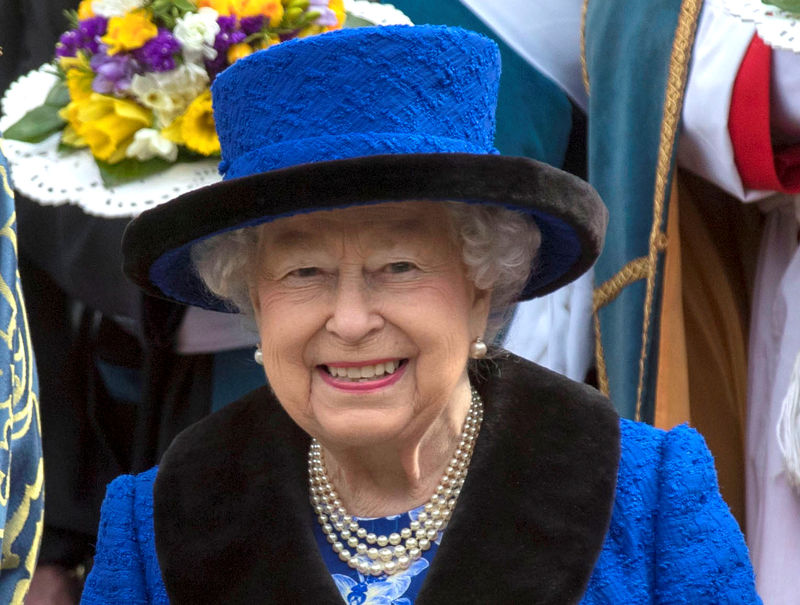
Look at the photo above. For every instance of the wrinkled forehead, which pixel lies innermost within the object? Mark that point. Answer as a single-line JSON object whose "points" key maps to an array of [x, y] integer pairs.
{"points": [[382, 224]]}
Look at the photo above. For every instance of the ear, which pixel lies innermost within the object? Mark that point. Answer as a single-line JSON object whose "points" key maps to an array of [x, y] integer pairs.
{"points": [[255, 301], [479, 314]]}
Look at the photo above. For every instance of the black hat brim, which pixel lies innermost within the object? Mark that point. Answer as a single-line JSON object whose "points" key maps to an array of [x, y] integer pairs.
{"points": [[568, 211]]}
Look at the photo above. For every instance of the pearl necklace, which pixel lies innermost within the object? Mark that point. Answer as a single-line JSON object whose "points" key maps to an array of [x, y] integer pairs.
{"points": [[376, 555]]}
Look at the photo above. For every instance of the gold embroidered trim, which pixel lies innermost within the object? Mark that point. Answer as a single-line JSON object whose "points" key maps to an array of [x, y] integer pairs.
{"points": [[6, 185], [611, 288], [632, 272], [600, 357], [676, 85], [604, 294], [584, 68]]}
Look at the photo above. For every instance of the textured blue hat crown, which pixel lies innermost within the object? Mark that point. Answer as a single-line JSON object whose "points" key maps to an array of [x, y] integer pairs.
{"points": [[358, 92]]}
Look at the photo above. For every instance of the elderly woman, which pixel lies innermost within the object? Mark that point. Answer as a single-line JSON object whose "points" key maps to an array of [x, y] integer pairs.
{"points": [[376, 239]]}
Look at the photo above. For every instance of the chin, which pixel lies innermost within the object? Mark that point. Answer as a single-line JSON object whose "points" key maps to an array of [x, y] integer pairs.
{"points": [[360, 429]]}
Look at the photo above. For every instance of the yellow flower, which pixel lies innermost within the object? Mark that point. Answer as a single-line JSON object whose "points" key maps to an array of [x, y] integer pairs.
{"points": [[79, 76], [251, 8], [79, 84], [85, 10], [69, 136], [239, 51], [106, 124], [223, 7], [129, 32], [272, 40], [195, 128], [337, 6]]}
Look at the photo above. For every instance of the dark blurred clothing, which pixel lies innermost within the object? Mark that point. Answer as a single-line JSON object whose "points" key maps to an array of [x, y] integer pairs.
{"points": [[114, 393], [28, 33]]}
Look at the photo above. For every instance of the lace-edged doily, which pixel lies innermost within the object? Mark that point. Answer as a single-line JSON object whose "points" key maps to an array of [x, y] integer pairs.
{"points": [[41, 173], [379, 14], [775, 27]]}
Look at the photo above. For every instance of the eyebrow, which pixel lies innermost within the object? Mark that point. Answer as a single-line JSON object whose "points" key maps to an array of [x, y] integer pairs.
{"points": [[292, 238], [299, 238]]}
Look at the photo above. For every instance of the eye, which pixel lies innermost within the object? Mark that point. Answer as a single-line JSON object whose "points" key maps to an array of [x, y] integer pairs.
{"points": [[400, 267], [305, 272]]}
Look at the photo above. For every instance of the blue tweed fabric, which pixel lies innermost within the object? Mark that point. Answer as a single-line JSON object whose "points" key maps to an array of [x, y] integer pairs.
{"points": [[358, 92], [355, 117], [671, 539]]}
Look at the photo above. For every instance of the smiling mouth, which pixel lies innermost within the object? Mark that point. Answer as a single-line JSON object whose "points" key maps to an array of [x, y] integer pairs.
{"points": [[365, 373]]}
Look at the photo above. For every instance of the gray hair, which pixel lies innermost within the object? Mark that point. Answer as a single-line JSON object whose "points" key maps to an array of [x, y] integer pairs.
{"points": [[498, 247]]}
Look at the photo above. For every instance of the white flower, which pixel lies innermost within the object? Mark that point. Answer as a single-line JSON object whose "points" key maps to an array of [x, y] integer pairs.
{"points": [[388, 589], [169, 93], [190, 78], [196, 33], [148, 143], [149, 92], [115, 8]]}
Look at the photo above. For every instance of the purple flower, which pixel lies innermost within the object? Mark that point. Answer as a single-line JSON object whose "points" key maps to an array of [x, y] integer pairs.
{"points": [[326, 16], [68, 43], [113, 73], [85, 37], [228, 35], [91, 31], [227, 23], [252, 25], [158, 54]]}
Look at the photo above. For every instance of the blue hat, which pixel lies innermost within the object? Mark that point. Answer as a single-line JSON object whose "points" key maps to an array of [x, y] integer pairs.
{"points": [[363, 116]]}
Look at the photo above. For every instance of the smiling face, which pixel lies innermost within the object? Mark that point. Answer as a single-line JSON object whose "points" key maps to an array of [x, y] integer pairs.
{"points": [[366, 316]]}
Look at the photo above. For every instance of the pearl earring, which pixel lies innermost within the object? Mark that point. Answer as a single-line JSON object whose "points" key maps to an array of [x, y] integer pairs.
{"points": [[478, 349], [258, 356]]}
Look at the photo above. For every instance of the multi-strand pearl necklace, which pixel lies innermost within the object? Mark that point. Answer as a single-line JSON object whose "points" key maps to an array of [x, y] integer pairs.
{"points": [[373, 554]]}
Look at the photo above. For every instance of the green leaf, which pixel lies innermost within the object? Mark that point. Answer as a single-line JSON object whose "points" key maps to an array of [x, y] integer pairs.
{"points": [[353, 21], [169, 11], [58, 96], [64, 149], [790, 6], [36, 125], [72, 18], [185, 5], [130, 169]]}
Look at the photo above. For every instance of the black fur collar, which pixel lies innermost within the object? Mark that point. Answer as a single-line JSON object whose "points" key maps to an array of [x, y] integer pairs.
{"points": [[233, 525]]}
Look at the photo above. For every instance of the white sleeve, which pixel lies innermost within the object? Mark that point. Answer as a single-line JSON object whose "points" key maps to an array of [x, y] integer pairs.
{"points": [[785, 93], [705, 146]]}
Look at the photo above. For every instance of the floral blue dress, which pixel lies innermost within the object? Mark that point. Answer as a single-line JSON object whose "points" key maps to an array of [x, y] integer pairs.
{"points": [[398, 589]]}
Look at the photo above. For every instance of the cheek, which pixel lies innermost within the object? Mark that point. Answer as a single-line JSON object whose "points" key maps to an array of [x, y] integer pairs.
{"points": [[439, 315], [285, 331]]}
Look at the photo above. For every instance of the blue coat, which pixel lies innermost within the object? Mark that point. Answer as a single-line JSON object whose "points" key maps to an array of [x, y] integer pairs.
{"points": [[563, 503]]}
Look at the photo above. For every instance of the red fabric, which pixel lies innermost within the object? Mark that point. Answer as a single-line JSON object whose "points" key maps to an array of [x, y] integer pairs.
{"points": [[759, 165]]}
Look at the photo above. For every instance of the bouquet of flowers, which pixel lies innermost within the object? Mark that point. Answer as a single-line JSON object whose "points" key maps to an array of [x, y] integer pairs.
{"points": [[135, 75]]}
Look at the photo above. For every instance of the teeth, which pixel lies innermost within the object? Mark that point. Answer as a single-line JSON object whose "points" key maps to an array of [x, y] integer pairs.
{"points": [[363, 373]]}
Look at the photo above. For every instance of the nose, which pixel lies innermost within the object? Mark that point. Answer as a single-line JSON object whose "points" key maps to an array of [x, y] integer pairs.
{"points": [[354, 315]]}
